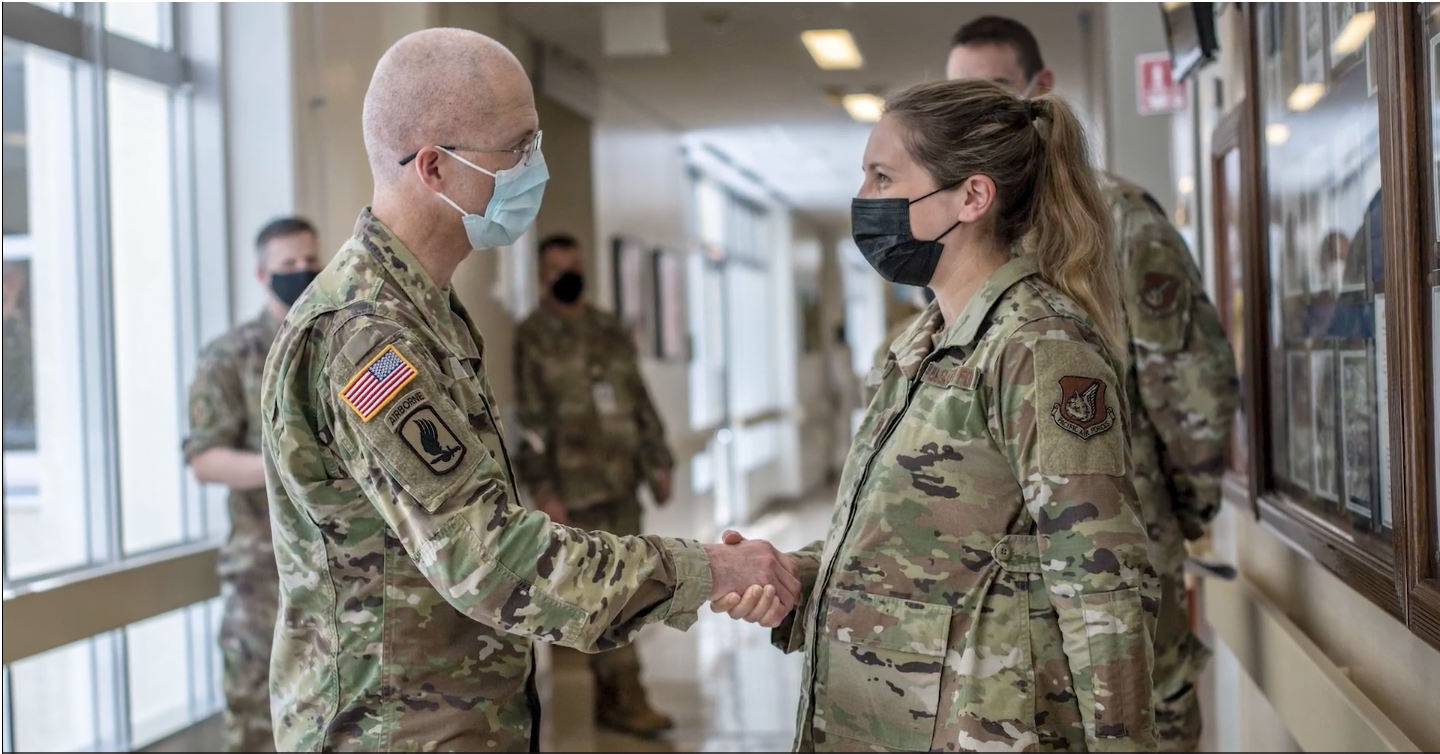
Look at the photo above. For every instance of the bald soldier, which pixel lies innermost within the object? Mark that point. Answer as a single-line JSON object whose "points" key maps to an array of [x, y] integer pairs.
{"points": [[412, 585], [1182, 383]]}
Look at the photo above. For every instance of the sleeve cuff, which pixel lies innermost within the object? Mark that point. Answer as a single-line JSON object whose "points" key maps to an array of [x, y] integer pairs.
{"points": [[196, 444], [789, 636], [693, 581]]}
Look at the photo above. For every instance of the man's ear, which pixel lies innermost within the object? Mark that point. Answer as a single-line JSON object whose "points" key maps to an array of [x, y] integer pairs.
{"points": [[1044, 82]]}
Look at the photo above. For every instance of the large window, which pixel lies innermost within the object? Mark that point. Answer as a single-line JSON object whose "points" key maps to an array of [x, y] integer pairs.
{"points": [[101, 234]]}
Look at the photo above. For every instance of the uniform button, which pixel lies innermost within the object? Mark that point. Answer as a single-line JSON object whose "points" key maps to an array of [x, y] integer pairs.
{"points": [[1002, 552]]}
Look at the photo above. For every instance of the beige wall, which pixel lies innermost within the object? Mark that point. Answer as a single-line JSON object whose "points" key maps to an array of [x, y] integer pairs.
{"points": [[1138, 146], [570, 196]]}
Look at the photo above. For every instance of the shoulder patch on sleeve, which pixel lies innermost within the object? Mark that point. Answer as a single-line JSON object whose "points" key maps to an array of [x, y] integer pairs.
{"points": [[431, 439], [377, 382], [1161, 284], [1159, 293], [1084, 432]]}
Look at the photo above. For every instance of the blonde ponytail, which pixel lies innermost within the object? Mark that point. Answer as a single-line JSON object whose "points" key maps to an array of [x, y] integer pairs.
{"points": [[1071, 234], [1048, 200]]}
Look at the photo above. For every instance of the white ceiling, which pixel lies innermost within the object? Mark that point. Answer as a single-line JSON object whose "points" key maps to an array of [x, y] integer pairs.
{"points": [[738, 75]]}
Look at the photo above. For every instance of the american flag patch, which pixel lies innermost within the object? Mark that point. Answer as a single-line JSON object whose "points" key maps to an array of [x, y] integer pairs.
{"points": [[380, 380]]}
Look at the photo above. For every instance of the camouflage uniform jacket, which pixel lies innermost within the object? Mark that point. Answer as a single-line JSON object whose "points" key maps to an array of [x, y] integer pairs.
{"points": [[412, 584], [592, 434], [882, 355], [225, 413], [985, 584], [1183, 385]]}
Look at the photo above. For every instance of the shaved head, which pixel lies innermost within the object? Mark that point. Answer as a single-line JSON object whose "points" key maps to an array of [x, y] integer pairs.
{"points": [[448, 87]]}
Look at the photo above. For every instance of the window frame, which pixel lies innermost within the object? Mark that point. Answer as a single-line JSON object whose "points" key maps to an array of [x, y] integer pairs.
{"points": [[188, 66], [1403, 582]]}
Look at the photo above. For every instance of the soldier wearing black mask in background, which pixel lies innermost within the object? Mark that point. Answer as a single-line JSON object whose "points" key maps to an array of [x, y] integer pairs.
{"points": [[223, 447], [592, 437]]}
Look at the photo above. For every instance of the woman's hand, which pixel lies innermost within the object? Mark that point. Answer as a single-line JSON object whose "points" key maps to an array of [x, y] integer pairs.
{"points": [[758, 604]]}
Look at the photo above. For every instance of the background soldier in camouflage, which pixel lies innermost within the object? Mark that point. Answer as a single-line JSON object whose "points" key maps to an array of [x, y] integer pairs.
{"points": [[412, 584], [1182, 381], [224, 448], [592, 436], [985, 585]]}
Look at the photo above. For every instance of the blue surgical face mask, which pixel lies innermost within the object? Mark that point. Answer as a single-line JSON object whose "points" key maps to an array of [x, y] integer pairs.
{"points": [[513, 206]]}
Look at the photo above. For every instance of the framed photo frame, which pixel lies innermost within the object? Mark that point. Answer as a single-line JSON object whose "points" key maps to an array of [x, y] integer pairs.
{"points": [[1371, 86], [1434, 87], [1342, 61], [1293, 274], [1313, 44], [1382, 400], [630, 288], [1357, 432], [672, 331], [1326, 428], [1301, 434]]}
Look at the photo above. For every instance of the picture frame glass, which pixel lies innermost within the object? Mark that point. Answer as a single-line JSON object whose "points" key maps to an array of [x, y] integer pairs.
{"points": [[1326, 257]]}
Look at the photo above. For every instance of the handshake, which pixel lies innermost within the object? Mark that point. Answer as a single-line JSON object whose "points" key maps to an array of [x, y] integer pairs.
{"points": [[752, 581]]}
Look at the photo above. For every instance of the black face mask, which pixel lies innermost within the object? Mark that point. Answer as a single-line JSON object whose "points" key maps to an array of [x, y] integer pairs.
{"points": [[567, 288], [289, 285], [881, 228]]}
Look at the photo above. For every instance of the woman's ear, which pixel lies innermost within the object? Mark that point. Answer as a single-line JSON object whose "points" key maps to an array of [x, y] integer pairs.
{"points": [[977, 197]]}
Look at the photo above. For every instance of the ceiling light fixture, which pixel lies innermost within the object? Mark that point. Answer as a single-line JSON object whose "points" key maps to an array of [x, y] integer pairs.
{"points": [[1354, 34], [832, 49], [865, 108], [1304, 97], [1277, 134]]}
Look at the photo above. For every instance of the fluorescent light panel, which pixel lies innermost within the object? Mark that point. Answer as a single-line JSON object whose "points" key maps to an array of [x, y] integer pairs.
{"points": [[1277, 134], [832, 49], [865, 108], [1353, 35], [1304, 97]]}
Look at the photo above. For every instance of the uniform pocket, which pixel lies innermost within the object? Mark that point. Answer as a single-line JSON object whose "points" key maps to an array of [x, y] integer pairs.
{"points": [[884, 658], [1119, 668]]}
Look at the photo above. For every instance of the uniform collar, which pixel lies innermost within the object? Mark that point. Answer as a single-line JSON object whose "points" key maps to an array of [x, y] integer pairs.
{"points": [[925, 336], [966, 327], [555, 319], [441, 309], [267, 323]]}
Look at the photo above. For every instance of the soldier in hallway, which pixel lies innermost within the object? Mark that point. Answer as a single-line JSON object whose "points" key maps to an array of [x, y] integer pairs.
{"points": [[592, 437], [224, 448], [1182, 382]]}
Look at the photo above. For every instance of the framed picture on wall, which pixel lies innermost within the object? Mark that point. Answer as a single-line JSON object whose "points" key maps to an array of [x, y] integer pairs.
{"points": [[1345, 51], [1326, 427], [1301, 434], [1312, 43], [672, 334], [631, 299], [1357, 432]]}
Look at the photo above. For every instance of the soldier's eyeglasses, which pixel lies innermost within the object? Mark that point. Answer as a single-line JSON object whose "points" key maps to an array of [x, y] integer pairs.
{"points": [[527, 152]]}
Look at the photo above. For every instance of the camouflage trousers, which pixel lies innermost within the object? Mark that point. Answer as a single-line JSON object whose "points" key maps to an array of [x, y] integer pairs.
{"points": [[1180, 658], [623, 520], [247, 632]]}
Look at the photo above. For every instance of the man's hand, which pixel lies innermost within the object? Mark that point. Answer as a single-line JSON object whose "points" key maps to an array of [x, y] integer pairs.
{"points": [[766, 576], [662, 489], [555, 510]]}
